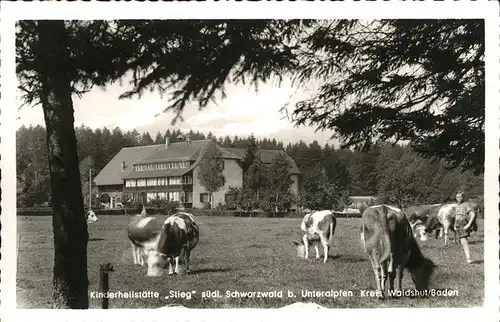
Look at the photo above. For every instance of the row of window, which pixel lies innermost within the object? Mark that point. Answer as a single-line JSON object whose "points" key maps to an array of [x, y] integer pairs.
{"points": [[181, 196], [162, 166], [161, 181]]}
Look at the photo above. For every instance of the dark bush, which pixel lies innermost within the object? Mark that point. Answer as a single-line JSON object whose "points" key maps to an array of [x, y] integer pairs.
{"points": [[39, 211], [170, 207], [173, 208]]}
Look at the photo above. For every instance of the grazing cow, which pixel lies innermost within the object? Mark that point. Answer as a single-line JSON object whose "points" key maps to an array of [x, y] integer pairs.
{"points": [[143, 233], [178, 236], [423, 219], [91, 217], [388, 240], [318, 227]]}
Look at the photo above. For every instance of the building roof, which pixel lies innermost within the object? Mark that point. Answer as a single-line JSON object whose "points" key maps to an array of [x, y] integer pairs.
{"points": [[182, 151], [179, 151], [111, 174], [267, 157]]}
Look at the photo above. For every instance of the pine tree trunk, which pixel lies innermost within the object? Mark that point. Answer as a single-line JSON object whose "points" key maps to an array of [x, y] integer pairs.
{"points": [[70, 281]]}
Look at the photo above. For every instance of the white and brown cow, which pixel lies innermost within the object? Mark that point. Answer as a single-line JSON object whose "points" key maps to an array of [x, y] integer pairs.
{"points": [[388, 240], [318, 227], [91, 217], [446, 217], [143, 232], [178, 236]]}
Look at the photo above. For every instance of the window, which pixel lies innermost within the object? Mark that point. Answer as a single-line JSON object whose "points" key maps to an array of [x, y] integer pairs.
{"points": [[204, 197], [130, 183], [151, 196], [174, 196], [151, 182], [188, 196], [187, 180], [222, 163], [162, 181], [162, 195], [174, 180], [141, 182]]}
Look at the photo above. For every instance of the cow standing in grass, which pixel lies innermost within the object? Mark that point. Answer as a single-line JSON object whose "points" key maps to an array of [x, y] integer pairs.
{"points": [[447, 218], [178, 236], [423, 219], [318, 227], [143, 233], [388, 240]]}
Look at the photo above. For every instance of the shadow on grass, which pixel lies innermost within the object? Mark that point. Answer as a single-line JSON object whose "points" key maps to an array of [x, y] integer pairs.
{"points": [[96, 239], [256, 246], [208, 270], [348, 258]]}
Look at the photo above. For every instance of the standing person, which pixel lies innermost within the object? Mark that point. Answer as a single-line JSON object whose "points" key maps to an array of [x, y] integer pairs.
{"points": [[464, 219]]}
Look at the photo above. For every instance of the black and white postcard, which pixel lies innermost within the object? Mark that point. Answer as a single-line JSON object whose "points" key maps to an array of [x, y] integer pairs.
{"points": [[265, 159]]}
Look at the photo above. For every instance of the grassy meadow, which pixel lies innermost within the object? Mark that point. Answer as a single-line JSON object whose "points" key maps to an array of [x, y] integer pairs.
{"points": [[244, 254]]}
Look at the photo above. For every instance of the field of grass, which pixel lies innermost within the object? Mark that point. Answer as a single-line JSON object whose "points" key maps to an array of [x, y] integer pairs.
{"points": [[244, 254]]}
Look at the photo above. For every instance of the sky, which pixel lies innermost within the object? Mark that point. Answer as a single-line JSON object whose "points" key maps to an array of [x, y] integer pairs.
{"points": [[242, 112]]}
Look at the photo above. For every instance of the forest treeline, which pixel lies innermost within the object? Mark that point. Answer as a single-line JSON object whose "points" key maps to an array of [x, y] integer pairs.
{"points": [[393, 173]]}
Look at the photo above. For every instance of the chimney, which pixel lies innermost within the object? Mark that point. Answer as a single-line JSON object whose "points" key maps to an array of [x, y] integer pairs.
{"points": [[123, 165], [166, 142]]}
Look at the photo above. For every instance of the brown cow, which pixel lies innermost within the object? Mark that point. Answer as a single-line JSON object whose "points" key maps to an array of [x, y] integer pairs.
{"points": [[423, 219], [388, 240]]}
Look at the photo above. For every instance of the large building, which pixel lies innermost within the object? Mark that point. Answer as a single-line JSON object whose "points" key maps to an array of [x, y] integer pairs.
{"points": [[170, 171]]}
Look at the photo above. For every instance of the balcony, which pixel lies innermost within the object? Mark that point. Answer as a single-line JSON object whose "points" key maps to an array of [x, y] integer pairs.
{"points": [[178, 187]]}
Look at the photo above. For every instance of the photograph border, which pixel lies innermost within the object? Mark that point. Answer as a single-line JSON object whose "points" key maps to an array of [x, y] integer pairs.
{"points": [[13, 11]]}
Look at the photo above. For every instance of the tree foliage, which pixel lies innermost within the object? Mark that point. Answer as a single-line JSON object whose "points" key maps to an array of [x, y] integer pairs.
{"points": [[321, 192], [211, 170], [242, 199], [193, 60], [420, 81], [278, 195], [252, 151]]}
